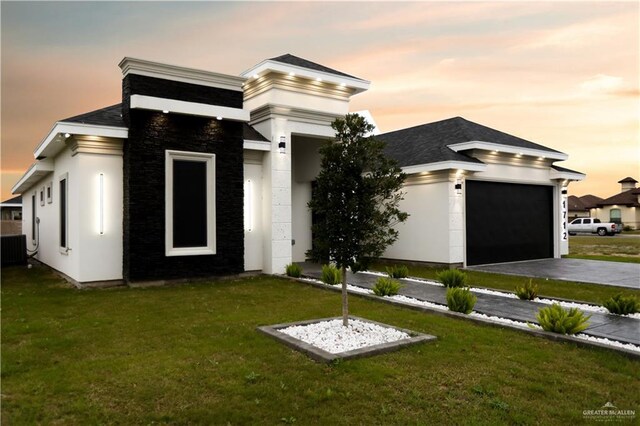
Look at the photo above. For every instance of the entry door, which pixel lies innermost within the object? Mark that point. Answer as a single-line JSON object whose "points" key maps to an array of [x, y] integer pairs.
{"points": [[508, 222]]}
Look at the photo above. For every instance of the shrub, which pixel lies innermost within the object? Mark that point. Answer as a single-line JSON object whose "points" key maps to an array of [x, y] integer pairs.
{"points": [[361, 265], [330, 275], [627, 228], [529, 291], [398, 271], [622, 305], [386, 287], [559, 320], [452, 278], [294, 270], [460, 300]]}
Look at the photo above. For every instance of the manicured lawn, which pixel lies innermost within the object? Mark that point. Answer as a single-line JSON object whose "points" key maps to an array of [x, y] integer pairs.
{"points": [[592, 293], [616, 249], [190, 354]]}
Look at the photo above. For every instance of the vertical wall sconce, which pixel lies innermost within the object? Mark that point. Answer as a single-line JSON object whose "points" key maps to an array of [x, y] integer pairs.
{"points": [[101, 204], [458, 187], [248, 205], [282, 145]]}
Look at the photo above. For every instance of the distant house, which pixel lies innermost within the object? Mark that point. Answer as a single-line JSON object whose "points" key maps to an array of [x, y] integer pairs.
{"points": [[581, 206], [198, 173], [622, 208], [11, 213]]}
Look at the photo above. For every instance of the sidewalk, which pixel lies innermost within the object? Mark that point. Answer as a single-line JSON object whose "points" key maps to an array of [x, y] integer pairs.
{"points": [[613, 327]]}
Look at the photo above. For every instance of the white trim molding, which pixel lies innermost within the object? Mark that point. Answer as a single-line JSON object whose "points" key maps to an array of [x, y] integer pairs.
{"points": [[257, 145], [445, 165], [491, 146], [34, 173], [54, 142], [209, 160], [268, 65], [558, 174], [191, 108], [182, 74], [82, 144]]}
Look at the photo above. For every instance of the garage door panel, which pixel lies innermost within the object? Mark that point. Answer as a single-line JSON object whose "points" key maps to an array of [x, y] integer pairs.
{"points": [[508, 222]]}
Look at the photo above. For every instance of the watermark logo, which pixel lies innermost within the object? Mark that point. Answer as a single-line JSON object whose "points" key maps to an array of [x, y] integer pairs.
{"points": [[609, 413]]}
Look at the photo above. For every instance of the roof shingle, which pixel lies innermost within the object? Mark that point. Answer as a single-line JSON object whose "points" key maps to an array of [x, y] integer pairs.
{"points": [[109, 116], [429, 143], [303, 63]]}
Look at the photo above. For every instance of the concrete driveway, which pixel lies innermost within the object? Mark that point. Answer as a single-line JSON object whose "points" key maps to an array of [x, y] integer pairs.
{"points": [[580, 270]]}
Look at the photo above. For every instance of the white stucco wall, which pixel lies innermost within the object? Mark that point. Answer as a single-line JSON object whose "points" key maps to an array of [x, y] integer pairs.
{"points": [[424, 237], [254, 227], [91, 256]]}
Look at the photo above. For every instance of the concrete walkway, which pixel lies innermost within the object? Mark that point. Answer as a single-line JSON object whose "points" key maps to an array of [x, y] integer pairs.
{"points": [[578, 270], [601, 325]]}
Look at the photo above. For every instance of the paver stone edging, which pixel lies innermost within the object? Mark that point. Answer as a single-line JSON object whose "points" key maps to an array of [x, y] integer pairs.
{"points": [[321, 355], [539, 333]]}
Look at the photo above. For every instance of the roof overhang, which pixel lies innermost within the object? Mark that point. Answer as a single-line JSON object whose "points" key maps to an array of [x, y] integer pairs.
{"points": [[36, 172], [190, 108], [339, 80], [491, 146], [10, 205], [566, 175], [445, 165], [54, 142], [257, 145], [182, 74]]}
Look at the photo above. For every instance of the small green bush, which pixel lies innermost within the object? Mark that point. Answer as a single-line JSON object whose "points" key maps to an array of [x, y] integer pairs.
{"points": [[452, 278], [386, 286], [398, 271], [627, 228], [330, 275], [622, 305], [564, 321], [294, 270], [361, 265], [461, 300], [529, 291]]}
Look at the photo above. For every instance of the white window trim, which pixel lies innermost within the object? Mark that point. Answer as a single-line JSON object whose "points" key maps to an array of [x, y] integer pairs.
{"points": [[49, 192], [209, 159], [41, 194], [64, 250]]}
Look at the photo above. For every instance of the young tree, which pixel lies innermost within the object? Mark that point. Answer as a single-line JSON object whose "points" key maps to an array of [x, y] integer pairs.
{"points": [[355, 201]]}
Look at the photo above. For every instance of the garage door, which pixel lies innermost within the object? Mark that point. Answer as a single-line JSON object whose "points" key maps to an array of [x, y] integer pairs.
{"points": [[508, 222]]}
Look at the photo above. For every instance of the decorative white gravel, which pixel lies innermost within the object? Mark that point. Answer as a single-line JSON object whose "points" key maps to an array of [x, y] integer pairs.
{"points": [[605, 341], [332, 337], [546, 301], [520, 324]]}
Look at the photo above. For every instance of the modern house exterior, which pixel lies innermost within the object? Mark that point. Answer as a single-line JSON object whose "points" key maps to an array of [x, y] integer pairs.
{"points": [[11, 215], [198, 174], [622, 208]]}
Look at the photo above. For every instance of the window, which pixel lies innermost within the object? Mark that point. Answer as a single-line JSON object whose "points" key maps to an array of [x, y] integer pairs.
{"points": [[594, 221], [577, 222], [33, 218], [189, 203], [615, 216], [49, 193], [42, 196], [64, 214], [586, 221]]}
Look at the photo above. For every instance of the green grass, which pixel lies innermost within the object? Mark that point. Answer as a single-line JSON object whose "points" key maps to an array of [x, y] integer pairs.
{"points": [[191, 354], [612, 249], [592, 293]]}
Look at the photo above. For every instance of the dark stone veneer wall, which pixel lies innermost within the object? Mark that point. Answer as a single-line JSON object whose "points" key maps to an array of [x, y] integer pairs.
{"points": [[150, 135]]}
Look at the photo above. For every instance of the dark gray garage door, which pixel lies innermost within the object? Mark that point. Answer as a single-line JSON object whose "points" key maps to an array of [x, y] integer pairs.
{"points": [[508, 222]]}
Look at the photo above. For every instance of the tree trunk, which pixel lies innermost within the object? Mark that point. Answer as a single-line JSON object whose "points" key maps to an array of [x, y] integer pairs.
{"points": [[345, 302]]}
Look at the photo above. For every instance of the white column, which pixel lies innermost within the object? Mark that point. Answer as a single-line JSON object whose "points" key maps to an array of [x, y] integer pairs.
{"points": [[456, 220], [278, 201]]}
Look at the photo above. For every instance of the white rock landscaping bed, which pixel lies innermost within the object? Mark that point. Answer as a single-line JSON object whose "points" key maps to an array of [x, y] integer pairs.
{"points": [[582, 306], [332, 337], [519, 324]]}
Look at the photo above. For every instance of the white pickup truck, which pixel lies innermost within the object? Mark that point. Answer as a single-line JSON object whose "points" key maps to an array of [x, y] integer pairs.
{"points": [[593, 226]]}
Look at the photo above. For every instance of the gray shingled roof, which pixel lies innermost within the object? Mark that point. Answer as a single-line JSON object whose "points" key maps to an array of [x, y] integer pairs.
{"points": [[300, 62], [627, 198], [14, 200], [564, 169], [109, 116], [251, 134], [428, 143]]}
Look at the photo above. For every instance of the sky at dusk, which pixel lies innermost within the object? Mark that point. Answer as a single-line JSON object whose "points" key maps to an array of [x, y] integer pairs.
{"points": [[561, 74]]}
